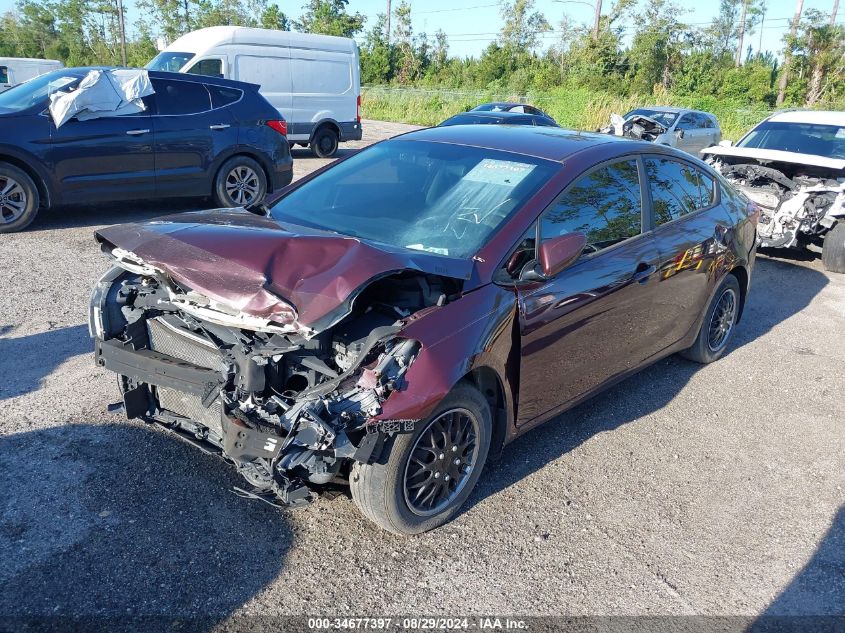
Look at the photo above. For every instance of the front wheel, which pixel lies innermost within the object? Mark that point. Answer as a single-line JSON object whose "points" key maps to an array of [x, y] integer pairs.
{"points": [[239, 182], [718, 325], [424, 477], [833, 251], [18, 199]]}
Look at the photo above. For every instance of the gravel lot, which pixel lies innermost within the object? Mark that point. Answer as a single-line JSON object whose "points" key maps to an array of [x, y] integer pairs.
{"points": [[714, 490]]}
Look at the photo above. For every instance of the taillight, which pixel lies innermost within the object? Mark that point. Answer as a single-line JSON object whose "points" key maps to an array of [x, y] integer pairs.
{"points": [[280, 126], [358, 109]]}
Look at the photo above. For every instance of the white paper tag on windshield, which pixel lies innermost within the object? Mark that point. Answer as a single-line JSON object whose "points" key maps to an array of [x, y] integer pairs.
{"points": [[499, 172]]}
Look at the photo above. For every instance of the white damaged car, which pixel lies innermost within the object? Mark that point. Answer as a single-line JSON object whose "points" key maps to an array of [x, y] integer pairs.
{"points": [[792, 165]]}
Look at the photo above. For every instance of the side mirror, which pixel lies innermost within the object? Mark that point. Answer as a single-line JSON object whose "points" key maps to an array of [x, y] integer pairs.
{"points": [[726, 143], [679, 134], [559, 252]]}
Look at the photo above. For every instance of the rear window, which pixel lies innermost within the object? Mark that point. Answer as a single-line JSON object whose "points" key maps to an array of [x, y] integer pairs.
{"points": [[221, 96], [180, 97], [677, 189]]}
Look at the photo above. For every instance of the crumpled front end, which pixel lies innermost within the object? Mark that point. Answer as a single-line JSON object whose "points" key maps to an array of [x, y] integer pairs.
{"points": [[637, 127], [290, 408], [798, 204]]}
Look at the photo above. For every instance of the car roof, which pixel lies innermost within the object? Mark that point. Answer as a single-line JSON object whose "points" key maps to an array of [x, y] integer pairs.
{"points": [[550, 143], [494, 115], [819, 117]]}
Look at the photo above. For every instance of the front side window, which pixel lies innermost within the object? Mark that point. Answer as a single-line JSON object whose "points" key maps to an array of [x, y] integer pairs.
{"points": [[666, 119], [4, 74], [435, 197], [687, 122], [169, 61], [677, 189], [605, 205], [207, 68], [180, 97]]}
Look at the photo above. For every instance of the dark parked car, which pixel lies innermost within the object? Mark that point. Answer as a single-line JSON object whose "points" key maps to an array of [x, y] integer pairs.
{"points": [[510, 106], [400, 316], [502, 118], [199, 136]]}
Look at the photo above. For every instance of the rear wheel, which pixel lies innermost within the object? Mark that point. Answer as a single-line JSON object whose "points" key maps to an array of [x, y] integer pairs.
{"points": [[833, 252], [240, 182], [424, 477], [325, 142], [718, 325], [19, 199]]}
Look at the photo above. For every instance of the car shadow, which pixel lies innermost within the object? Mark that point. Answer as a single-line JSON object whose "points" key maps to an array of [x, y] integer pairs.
{"points": [[779, 290], [124, 527], [815, 598], [27, 360], [300, 153], [77, 216]]}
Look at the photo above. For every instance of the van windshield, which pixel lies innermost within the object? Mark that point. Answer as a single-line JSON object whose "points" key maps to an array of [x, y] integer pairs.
{"points": [[169, 61]]}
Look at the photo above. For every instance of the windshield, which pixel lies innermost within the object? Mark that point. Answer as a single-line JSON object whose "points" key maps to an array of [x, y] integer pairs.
{"points": [[170, 62], [434, 197], [802, 138], [666, 119], [36, 90]]}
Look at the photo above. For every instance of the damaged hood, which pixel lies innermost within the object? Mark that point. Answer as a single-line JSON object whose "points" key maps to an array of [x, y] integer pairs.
{"points": [[255, 267], [773, 155]]}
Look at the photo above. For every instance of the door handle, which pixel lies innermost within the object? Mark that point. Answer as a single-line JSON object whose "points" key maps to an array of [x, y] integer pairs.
{"points": [[137, 132], [643, 272], [219, 126]]}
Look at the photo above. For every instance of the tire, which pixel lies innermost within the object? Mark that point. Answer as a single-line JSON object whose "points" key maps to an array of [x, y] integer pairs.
{"points": [[19, 199], [324, 143], [833, 251], [723, 311], [239, 182], [379, 489]]}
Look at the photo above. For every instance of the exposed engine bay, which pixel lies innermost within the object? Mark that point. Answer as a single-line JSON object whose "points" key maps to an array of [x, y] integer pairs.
{"points": [[636, 126], [291, 409], [799, 203]]}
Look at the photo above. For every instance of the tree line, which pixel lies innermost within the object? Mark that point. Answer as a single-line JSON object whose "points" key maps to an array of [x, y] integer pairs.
{"points": [[639, 47]]}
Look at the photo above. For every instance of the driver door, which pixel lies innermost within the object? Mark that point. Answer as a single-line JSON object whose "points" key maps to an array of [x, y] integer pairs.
{"points": [[592, 322]]}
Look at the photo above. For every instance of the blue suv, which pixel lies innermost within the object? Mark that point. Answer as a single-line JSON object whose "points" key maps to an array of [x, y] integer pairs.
{"points": [[198, 137]]}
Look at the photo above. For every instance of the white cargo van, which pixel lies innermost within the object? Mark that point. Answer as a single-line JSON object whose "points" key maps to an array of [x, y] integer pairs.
{"points": [[16, 70], [313, 80]]}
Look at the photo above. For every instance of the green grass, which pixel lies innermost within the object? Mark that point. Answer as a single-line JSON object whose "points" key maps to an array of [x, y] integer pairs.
{"points": [[578, 109]]}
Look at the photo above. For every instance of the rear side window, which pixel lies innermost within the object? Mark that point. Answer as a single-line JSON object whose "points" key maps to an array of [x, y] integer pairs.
{"points": [[677, 189], [207, 67], [605, 205], [221, 96], [180, 97], [4, 74]]}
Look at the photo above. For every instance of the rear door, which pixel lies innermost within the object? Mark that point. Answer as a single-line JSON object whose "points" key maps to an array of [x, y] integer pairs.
{"points": [[691, 230], [591, 322], [694, 137], [190, 133]]}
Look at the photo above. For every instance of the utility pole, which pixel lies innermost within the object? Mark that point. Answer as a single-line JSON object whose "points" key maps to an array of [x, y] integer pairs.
{"points": [[388, 22], [741, 36], [122, 26], [597, 20], [762, 22], [787, 55], [834, 12]]}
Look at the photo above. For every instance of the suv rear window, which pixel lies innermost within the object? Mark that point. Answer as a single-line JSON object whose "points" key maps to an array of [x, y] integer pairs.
{"points": [[180, 97]]}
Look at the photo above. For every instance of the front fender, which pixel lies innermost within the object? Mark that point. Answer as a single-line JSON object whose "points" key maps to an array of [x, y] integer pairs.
{"points": [[474, 331]]}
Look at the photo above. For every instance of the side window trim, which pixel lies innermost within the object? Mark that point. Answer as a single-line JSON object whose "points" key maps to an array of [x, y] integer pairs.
{"points": [[717, 193], [636, 157]]}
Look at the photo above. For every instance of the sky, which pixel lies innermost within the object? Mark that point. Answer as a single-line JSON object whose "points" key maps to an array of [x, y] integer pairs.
{"points": [[472, 24]]}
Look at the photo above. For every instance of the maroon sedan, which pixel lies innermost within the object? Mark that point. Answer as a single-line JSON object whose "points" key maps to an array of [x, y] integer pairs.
{"points": [[395, 319]]}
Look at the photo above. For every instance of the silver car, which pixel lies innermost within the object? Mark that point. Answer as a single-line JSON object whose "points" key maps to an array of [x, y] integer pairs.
{"points": [[688, 130]]}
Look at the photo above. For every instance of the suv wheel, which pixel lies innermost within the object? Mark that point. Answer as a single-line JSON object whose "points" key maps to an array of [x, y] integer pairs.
{"points": [[19, 199], [833, 251], [325, 141], [423, 478], [240, 182], [718, 325]]}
